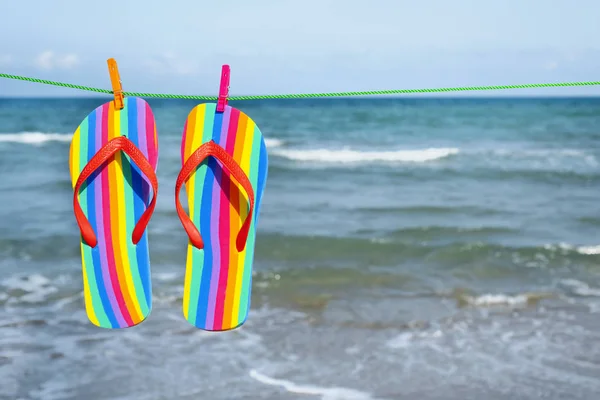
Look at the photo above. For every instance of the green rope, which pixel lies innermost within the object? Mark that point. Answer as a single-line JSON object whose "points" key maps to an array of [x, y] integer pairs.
{"points": [[303, 95]]}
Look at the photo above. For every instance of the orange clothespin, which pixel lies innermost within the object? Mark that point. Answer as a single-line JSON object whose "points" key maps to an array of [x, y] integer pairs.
{"points": [[115, 80]]}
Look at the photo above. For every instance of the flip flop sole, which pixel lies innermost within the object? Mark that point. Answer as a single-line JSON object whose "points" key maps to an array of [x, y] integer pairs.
{"points": [[218, 278], [116, 273]]}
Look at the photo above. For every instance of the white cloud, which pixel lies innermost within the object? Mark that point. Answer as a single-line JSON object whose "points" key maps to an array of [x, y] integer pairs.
{"points": [[170, 63], [552, 65], [49, 60], [6, 59]]}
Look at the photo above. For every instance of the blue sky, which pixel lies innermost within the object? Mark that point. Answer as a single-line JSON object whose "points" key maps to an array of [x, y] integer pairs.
{"points": [[280, 46]]}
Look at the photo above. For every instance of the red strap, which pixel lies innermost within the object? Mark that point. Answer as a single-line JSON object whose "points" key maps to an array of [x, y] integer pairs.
{"points": [[203, 152], [120, 143]]}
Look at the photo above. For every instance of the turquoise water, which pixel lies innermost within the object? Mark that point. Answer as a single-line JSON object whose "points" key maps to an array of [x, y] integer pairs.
{"points": [[407, 248]]}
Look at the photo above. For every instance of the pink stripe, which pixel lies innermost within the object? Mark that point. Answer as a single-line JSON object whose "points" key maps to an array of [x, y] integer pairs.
{"points": [[150, 146], [228, 143], [142, 144], [152, 150], [103, 216], [218, 205], [141, 132]]}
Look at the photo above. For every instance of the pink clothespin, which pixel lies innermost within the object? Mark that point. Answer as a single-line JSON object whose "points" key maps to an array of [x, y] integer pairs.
{"points": [[224, 89]]}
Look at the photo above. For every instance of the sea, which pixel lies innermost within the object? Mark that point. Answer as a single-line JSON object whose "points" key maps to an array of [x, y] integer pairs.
{"points": [[407, 248]]}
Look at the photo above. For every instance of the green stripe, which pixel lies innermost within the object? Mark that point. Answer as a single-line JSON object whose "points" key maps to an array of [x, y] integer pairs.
{"points": [[87, 251], [253, 176], [197, 263]]}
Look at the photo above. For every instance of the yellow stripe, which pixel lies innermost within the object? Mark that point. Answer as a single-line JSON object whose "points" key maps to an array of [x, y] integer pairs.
{"points": [[74, 157], [245, 164], [74, 161], [234, 224], [193, 141], [74, 166], [188, 190], [71, 158], [89, 307], [113, 176], [187, 282], [131, 299]]}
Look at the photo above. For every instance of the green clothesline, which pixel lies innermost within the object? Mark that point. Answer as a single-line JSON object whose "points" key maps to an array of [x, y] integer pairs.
{"points": [[303, 95]]}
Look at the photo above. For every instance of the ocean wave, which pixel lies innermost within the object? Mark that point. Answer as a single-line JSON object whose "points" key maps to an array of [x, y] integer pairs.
{"points": [[542, 157], [331, 393], [536, 159], [536, 152], [565, 247], [33, 288], [552, 158], [44, 248], [580, 288], [406, 339], [356, 156], [589, 250], [501, 300], [445, 241], [37, 138], [34, 138]]}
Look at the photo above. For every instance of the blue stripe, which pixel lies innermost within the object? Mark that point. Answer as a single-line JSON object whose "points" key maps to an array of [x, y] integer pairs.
{"points": [[258, 195], [91, 204], [137, 182], [262, 179], [205, 222]]}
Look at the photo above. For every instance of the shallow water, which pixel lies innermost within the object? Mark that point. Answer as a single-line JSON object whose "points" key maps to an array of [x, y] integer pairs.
{"points": [[431, 249]]}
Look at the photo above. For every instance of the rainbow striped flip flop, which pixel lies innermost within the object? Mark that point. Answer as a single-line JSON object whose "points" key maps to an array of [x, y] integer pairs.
{"points": [[218, 275], [110, 151]]}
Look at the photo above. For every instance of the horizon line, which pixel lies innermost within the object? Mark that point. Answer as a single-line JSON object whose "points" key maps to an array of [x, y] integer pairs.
{"points": [[378, 97]]}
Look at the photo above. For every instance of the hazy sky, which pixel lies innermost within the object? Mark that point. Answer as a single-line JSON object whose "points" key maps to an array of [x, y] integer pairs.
{"points": [[279, 46]]}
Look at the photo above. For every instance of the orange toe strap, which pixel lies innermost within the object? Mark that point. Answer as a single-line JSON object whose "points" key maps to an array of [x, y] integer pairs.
{"points": [[115, 145], [202, 153]]}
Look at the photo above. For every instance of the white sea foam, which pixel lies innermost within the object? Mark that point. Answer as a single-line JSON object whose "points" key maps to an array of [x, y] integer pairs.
{"points": [[35, 138], [490, 300], [556, 158], [589, 250], [406, 339], [166, 276], [580, 288], [539, 152], [36, 287], [332, 393], [347, 155], [272, 143], [29, 283], [535, 157], [586, 250], [356, 156]]}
